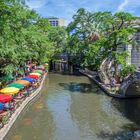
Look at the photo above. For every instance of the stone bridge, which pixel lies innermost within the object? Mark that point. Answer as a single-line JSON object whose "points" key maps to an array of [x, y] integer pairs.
{"points": [[131, 85]]}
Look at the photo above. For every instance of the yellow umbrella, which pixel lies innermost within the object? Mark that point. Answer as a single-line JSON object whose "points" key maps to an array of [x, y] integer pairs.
{"points": [[34, 71], [35, 74], [10, 90]]}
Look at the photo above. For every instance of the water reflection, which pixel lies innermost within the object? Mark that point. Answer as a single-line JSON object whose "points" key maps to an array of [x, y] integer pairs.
{"points": [[134, 88], [129, 109], [80, 87], [63, 112]]}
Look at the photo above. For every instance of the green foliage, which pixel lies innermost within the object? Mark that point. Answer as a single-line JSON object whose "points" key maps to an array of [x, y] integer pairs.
{"points": [[128, 70], [98, 35], [93, 57], [25, 36], [120, 59], [58, 36]]}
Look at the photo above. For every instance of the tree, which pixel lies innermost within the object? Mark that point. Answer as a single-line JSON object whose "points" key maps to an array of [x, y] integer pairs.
{"points": [[98, 35], [24, 36], [117, 29], [82, 32], [58, 36]]}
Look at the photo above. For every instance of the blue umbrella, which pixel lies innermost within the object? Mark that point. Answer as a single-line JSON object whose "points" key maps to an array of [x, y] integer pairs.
{"points": [[1, 106], [7, 105], [39, 68], [28, 79]]}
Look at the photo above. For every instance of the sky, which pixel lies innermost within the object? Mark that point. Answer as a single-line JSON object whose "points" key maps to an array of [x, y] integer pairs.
{"points": [[67, 8]]}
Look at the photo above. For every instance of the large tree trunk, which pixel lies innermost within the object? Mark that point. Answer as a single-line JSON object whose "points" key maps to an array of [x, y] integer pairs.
{"points": [[105, 70]]}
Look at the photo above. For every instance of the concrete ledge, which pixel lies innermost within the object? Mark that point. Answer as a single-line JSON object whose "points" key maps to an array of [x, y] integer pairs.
{"points": [[93, 77], [7, 127]]}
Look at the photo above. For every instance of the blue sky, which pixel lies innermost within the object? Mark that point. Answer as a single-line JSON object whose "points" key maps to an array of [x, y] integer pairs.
{"points": [[67, 8]]}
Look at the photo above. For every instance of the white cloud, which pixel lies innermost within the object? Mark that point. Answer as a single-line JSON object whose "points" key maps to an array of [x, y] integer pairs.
{"points": [[67, 8], [122, 5], [35, 3]]}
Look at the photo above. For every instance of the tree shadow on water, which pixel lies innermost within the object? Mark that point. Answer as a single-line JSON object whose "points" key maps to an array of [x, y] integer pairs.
{"points": [[129, 108], [79, 87]]}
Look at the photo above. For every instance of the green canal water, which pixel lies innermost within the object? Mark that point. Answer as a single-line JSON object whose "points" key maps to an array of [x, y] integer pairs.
{"points": [[74, 108]]}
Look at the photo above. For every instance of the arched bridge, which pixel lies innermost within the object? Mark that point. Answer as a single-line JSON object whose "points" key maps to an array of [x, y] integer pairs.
{"points": [[131, 85]]}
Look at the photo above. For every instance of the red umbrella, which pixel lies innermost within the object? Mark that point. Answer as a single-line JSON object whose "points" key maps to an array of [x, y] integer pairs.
{"points": [[5, 98], [33, 76]]}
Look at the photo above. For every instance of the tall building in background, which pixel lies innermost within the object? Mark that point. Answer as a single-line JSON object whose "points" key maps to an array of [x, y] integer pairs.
{"points": [[54, 21]]}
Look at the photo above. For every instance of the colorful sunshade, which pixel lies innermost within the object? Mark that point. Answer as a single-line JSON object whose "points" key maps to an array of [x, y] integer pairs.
{"points": [[5, 98], [24, 82], [10, 90], [33, 76], [28, 79], [16, 85]]}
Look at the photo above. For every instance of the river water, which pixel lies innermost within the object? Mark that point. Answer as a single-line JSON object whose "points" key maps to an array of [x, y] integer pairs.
{"points": [[74, 108]]}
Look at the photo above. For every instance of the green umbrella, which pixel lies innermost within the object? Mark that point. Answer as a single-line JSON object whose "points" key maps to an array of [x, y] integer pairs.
{"points": [[16, 85], [38, 72]]}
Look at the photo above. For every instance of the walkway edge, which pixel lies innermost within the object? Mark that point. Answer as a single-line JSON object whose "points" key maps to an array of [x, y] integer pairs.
{"points": [[7, 127], [103, 88]]}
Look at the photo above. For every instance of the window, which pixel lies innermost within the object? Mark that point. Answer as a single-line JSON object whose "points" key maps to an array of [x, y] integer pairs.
{"points": [[137, 37], [56, 23]]}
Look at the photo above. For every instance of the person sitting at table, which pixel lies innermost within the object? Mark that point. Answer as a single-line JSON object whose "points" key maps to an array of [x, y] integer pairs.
{"points": [[12, 106], [6, 106], [34, 84], [21, 92]]}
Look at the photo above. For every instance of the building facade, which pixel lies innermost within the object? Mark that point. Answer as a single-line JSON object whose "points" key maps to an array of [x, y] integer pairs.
{"points": [[54, 21], [133, 49]]}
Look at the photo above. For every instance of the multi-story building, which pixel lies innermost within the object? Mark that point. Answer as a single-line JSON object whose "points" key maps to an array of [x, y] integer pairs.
{"points": [[54, 21]]}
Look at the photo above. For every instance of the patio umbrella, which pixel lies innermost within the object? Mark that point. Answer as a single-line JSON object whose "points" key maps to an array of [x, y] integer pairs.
{"points": [[37, 72], [40, 68], [28, 79], [1, 106], [5, 98], [10, 90], [16, 85], [25, 83], [33, 76]]}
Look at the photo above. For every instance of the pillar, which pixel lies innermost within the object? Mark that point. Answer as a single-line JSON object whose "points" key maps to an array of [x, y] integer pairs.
{"points": [[129, 58]]}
